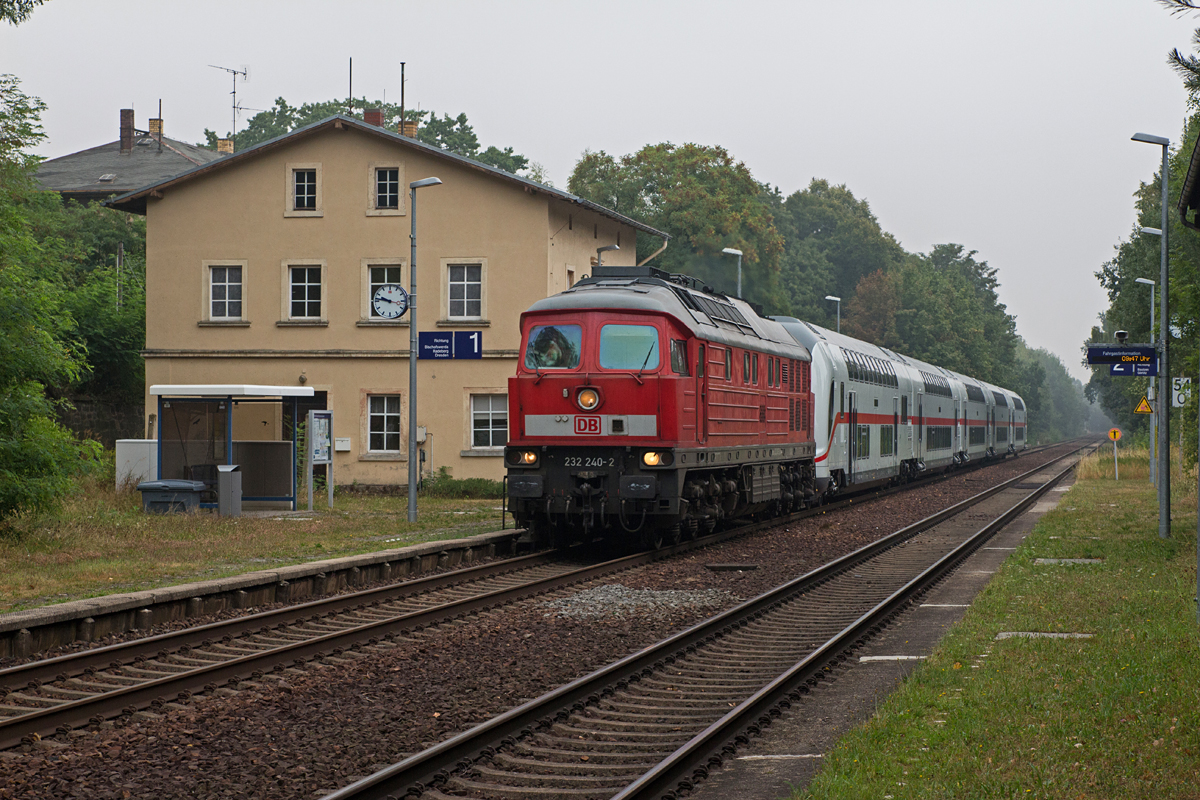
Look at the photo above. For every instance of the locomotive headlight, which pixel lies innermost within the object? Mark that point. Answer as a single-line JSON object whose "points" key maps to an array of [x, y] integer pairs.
{"points": [[654, 458], [588, 399], [522, 458]]}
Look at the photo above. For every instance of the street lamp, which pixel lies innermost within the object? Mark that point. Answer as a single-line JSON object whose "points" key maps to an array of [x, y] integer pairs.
{"points": [[838, 300], [600, 251], [413, 464], [729, 251], [1153, 415], [1164, 422]]}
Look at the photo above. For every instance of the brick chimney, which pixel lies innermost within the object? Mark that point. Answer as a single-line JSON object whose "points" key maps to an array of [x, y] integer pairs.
{"points": [[408, 129], [225, 146], [373, 116], [156, 128], [126, 130]]}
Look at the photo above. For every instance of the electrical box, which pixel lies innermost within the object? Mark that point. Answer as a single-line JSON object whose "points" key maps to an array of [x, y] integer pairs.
{"points": [[421, 434], [341, 444]]}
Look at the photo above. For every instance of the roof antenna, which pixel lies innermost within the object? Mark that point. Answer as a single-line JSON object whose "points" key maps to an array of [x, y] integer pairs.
{"points": [[402, 133], [245, 73]]}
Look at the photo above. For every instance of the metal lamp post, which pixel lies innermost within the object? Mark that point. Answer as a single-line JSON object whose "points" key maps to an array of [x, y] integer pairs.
{"points": [[600, 251], [730, 251], [838, 300], [1164, 422], [413, 465], [1153, 416]]}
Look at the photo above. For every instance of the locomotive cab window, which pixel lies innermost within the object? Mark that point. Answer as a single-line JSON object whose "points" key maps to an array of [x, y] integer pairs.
{"points": [[679, 362], [554, 347], [632, 347], [746, 368]]}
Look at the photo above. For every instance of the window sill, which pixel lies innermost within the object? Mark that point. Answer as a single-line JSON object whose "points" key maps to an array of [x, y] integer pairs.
{"points": [[224, 323], [382, 323], [305, 213], [483, 452], [464, 323], [302, 323], [385, 212], [383, 457]]}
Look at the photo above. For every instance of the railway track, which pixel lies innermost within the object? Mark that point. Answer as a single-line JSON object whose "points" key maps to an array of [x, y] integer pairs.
{"points": [[56, 695], [657, 720]]}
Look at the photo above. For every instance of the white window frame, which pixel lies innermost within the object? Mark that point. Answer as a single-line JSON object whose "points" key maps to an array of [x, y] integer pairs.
{"points": [[290, 170], [373, 209], [482, 318], [366, 312], [285, 281], [469, 394], [206, 315], [491, 414], [401, 439], [365, 452]]}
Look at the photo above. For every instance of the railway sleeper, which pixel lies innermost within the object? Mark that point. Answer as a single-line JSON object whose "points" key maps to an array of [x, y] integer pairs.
{"points": [[593, 766], [540, 753], [611, 783]]}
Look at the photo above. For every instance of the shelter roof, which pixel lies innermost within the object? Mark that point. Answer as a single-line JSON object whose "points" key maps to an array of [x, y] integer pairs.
{"points": [[229, 390]]}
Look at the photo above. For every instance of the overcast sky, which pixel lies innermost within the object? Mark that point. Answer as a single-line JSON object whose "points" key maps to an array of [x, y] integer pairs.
{"points": [[1002, 126]]}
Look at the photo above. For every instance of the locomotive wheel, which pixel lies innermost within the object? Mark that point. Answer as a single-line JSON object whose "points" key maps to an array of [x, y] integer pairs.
{"points": [[654, 539], [674, 534]]}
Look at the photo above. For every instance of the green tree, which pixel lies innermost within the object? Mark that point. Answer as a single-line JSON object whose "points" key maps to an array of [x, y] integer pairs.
{"points": [[38, 458], [17, 11], [706, 200], [941, 308], [833, 242]]}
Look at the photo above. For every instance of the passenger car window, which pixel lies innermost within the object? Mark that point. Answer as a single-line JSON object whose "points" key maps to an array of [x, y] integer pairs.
{"points": [[554, 347], [629, 347]]}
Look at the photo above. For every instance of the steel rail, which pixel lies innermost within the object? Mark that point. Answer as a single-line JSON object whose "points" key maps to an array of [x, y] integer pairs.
{"points": [[755, 712], [69, 714], [434, 766]]}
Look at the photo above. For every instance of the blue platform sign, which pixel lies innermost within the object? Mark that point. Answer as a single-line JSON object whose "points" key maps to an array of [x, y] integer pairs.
{"points": [[435, 344], [1115, 354], [449, 344], [468, 344], [1130, 369]]}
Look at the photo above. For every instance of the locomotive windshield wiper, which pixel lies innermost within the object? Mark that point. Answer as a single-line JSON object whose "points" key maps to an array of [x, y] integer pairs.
{"points": [[645, 361]]}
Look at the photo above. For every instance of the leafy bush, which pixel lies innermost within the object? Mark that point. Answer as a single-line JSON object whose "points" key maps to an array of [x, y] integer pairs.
{"points": [[442, 485]]}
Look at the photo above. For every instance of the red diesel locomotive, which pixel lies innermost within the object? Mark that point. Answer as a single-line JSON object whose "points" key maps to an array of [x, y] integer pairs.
{"points": [[647, 407]]}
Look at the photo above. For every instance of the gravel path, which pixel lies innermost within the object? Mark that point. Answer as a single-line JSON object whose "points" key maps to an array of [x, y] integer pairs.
{"points": [[302, 734]]}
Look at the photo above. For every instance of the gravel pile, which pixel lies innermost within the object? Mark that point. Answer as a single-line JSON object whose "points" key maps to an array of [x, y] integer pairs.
{"points": [[614, 601]]}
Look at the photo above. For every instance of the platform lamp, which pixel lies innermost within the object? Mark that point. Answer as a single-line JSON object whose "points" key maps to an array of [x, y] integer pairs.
{"points": [[837, 300], [1154, 414], [1164, 421], [730, 251], [600, 251], [413, 464]]}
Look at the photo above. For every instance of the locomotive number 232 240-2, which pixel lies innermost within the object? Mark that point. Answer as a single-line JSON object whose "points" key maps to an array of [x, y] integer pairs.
{"points": [[585, 461]]}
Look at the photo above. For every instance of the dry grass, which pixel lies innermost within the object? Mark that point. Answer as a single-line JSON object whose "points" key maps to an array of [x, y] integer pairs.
{"points": [[100, 541]]}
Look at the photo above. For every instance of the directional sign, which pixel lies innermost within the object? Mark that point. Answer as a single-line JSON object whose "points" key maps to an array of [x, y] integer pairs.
{"points": [[1129, 354], [1131, 369], [1144, 407], [449, 344], [435, 344], [1181, 389], [1114, 434]]}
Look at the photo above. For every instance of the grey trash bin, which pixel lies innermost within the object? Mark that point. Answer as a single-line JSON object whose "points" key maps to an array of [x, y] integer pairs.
{"points": [[168, 496], [229, 490]]}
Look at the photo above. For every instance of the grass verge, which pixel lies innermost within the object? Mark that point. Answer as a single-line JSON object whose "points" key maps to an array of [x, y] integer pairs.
{"points": [[100, 542], [1115, 716]]}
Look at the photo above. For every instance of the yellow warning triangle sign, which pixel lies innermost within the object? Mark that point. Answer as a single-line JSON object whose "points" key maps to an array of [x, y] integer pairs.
{"points": [[1143, 407]]}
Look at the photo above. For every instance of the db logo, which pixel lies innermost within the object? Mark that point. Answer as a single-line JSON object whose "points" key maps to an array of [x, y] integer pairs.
{"points": [[587, 425]]}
